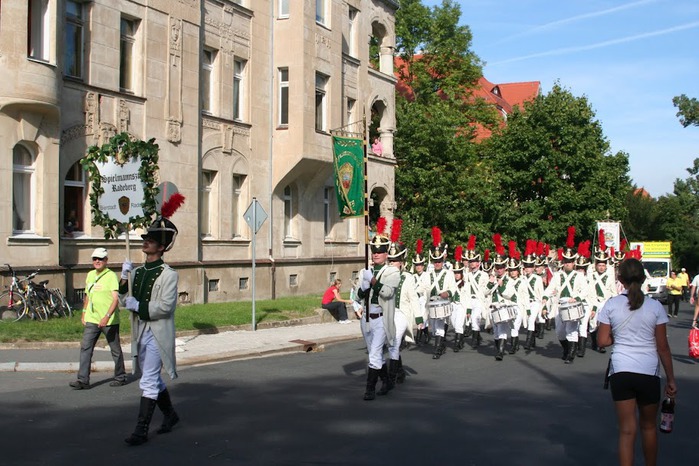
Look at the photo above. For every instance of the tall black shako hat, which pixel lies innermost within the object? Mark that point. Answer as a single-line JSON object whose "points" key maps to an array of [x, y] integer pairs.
{"points": [[513, 260], [500, 259], [458, 256], [487, 264], [380, 242], [542, 254], [162, 230], [601, 253], [529, 259], [471, 254], [439, 251], [397, 250], [569, 252], [419, 259], [583, 259]]}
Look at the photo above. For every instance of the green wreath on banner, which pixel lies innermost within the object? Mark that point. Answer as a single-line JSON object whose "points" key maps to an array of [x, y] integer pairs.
{"points": [[121, 148]]}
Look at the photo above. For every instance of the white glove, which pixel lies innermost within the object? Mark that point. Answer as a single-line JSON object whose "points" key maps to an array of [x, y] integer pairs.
{"points": [[126, 269], [367, 275], [365, 285], [131, 304]]}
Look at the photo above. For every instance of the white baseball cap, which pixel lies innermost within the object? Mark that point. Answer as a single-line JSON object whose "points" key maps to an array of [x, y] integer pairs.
{"points": [[99, 253], [683, 269]]}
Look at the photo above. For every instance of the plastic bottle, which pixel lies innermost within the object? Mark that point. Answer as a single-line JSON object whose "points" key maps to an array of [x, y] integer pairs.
{"points": [[667, 415]]}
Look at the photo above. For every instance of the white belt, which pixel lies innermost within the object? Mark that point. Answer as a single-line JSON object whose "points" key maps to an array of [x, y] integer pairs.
{"points": [[375, 309]]}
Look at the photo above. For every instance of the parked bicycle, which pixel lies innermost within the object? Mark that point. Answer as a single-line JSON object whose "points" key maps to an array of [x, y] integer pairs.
{"points": [[34, 300]]}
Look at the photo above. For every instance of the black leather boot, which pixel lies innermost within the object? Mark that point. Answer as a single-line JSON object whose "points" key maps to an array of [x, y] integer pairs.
{"points": [[468, 331], [170, 416], [426, 332], [539, 327], [458, 342], [371, 378], [386, 382], [400, 376], [529, 340], [564, 344], [437, 347], [572, 349], [476, 339], [582, 343], [145, 414], [514, 347], [500, 349]]}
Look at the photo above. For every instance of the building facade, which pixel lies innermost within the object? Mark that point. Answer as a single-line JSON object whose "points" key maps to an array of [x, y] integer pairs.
{"points": [[240, 95]]}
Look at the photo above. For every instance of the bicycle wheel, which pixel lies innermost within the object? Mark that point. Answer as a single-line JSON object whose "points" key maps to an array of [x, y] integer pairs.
{"points": [[12, 307], [36, 308], [59, 306]]}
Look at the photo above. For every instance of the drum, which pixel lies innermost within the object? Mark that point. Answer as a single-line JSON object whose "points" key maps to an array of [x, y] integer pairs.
{"points": [[439, 308], [571, 311], [503, 314]]}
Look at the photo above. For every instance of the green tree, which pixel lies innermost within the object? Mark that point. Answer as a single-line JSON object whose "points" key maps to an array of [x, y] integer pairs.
{"points": [[554, 169], [688, 110], [640, 221]]}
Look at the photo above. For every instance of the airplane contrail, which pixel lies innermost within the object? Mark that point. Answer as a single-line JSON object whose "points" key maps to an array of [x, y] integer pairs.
{"points": [[599, 45]]}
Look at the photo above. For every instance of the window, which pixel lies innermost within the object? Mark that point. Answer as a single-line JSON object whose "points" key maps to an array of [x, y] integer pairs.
{"points": [[213, 285], [283, 8], [74, 40], [38, 37], [350, 110], [243, 283], [73, 200], [352, 32], [239, 89], [288, 212], [22, 189], [126, 60], [207, 203], [332, 277], [236, 214], [283, 97], [321, 12], [327, 212], [321, 85], [293, 280], [207, 80]]}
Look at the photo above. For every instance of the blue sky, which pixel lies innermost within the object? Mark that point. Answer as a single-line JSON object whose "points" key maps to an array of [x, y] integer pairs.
{"points": [[629, 58]]}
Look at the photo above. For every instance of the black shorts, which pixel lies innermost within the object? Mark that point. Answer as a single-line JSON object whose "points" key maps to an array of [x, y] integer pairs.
{"points": [[645, 389]]}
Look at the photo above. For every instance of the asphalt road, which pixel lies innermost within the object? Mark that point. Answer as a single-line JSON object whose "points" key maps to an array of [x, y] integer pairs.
{"points": [[465, 409]]}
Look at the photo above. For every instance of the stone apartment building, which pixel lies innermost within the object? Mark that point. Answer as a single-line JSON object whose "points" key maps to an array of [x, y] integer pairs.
{"points": [[240, 96]]}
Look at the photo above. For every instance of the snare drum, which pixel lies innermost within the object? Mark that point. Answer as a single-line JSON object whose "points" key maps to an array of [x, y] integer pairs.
{"points": [[571, 311], [503, 314], [439, 308]]}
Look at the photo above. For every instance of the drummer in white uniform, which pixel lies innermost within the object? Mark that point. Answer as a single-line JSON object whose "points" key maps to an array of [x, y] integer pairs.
{"points": [[582, 265], [496, 287], [475, 282], [442, 288], [535, 295], [422, 278], [458, 306], [567, 287], [602, 287], [516, 294]]}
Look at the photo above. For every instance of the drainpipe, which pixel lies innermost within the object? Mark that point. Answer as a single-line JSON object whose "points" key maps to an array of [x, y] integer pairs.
{"points": [[273, 269]]}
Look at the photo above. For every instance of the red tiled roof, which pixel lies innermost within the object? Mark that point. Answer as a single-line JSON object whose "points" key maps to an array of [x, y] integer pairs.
{"points": [[641, 192]]}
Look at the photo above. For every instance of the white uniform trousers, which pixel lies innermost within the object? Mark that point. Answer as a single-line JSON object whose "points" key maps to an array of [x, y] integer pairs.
{"points": [[534, 316], [476, 313], [517, 323], [401, 327], [458, 317], [151, 382], [585, 321], [376, 342], [567, 330], [502, 330], [437, 326]]}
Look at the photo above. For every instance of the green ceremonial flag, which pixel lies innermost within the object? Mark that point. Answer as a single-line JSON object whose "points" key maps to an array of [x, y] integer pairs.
{"points": [[348, 158]]}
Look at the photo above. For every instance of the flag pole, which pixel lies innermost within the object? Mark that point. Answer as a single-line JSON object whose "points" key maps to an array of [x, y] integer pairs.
{"points": [[366, 190]]}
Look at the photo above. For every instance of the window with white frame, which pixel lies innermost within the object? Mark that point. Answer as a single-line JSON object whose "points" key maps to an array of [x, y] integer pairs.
{"points": [[350, 110], [23, 167], [207, 80], [127, 66], [283, 8], [74, 188], [327, 210], [321, 101], [288, 211], [321, 12], [283, 96], [352, 31], [239, 89], [39, 37], [73, 60], [236, 203], [207, 202]]}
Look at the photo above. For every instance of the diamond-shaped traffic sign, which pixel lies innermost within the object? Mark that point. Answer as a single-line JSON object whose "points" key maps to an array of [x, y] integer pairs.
{"points": [[255, 216]]}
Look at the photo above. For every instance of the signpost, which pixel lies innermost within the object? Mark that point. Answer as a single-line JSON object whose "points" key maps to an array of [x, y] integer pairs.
{"points": [[255, 216]]}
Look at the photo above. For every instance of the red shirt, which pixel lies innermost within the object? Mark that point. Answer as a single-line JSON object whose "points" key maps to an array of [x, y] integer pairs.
{"points": [[329, 295]]}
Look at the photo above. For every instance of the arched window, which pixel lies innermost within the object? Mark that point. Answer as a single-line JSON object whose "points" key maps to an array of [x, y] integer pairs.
{"points": [[22, 189], [288, 211], [74, 200]]}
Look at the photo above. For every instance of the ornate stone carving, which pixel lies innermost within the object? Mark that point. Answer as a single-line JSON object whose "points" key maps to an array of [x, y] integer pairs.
{"points": [[174, 130], [106, 132], [91, 108], [72, 133], [227, 139], [124, 116], [211, 124]]}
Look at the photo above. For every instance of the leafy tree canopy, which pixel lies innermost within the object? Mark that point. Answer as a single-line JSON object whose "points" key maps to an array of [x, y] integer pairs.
{"points": [[688, 110]]}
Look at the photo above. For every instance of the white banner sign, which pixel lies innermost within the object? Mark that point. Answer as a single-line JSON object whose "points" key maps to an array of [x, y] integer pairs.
{"points": [[123, 190], [611, 234]]}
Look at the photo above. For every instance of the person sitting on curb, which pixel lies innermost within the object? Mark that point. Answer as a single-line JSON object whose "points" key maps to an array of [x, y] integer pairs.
{"points": [[333, 302]]}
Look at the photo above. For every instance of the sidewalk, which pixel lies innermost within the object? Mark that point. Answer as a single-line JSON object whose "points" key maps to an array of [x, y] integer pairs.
{"points": [[301, 335]]}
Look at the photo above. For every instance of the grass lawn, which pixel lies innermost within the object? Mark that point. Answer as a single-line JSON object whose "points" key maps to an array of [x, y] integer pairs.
{"points": [[187, 317]]}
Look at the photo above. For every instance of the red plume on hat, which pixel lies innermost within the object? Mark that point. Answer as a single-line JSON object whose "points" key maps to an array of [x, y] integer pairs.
{"points": [[601, 241], [560, 254], [512, 248], [547, 250], [540, 248], [471, 243], [611, 251], [530, 247], [486, 255], [418, 246], [622, 247], [570, 242], [497, 241], [436, 236], [170, 206], [458, 253], [395, 230], [381, 226]]}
